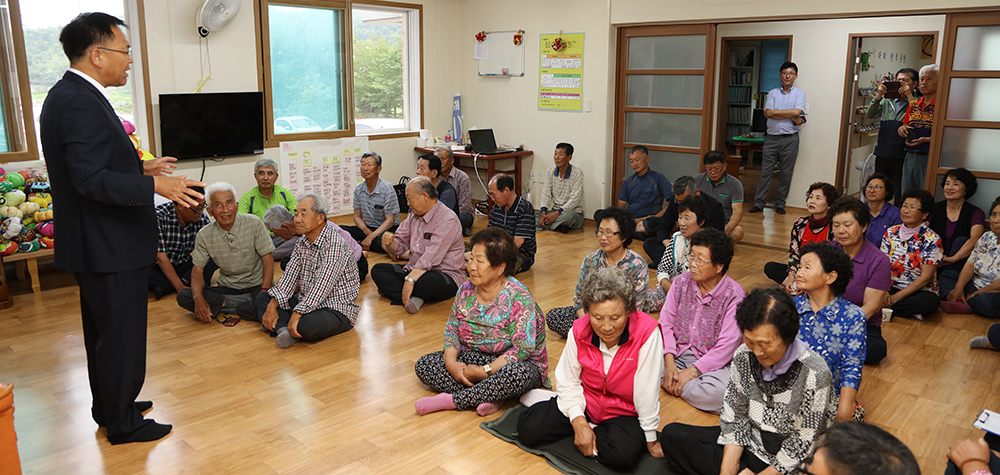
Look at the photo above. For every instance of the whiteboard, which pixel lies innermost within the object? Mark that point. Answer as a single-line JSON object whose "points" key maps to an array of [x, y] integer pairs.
{"points": [[503, 53]]}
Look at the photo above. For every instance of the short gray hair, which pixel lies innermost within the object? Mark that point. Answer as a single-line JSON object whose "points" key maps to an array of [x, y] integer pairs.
{"points": [[320, 204], [217, 187], [424, 185], [608, 283], [684, 184], [265, 162], [930, 68], [377, 157], [451, 155], [277, 215]]}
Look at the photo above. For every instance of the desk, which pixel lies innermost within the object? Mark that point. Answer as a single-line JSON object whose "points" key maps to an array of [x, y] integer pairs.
{"points": [[751, 145], [31, 259], [490, 160]]}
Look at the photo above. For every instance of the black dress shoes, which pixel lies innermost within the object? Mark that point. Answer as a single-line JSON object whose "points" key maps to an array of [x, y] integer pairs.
{"points": [[148, 433]]}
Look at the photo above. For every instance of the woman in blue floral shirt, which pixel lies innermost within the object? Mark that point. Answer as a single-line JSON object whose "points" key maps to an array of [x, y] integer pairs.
{"points": [[830, 325], [494, 342], [614, 234]]}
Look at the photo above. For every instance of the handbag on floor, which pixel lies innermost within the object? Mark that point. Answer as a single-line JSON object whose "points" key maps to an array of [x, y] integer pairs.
{"points": [[400, 189]]}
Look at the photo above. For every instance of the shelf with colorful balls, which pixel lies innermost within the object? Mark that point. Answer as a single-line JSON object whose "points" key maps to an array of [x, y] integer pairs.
{"points": [[26, 210]]}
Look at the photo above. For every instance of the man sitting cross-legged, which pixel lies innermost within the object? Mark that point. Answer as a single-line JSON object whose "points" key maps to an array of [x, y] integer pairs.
{"points": [[178, 227], [314, 298], [282, 223], [240, 246]]}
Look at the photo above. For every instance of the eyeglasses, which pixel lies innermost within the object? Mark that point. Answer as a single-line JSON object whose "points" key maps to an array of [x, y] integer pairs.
{"points": [[129, 52], [600, 233], [198, 209], [697, 261], [714, 169], [910, 207], [783, 73], [874, 187]]}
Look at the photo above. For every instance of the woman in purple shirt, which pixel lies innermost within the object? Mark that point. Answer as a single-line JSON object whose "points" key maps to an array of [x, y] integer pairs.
{"points": [[872, 274], [883, 215]]}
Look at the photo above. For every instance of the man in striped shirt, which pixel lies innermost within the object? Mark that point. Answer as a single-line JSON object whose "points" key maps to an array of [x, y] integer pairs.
{"points": [[514, 214], [376, 207], [323, 270]]}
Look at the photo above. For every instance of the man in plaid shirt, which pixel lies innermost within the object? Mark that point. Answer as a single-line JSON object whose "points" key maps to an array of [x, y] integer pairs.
{"points": [[323, 269], [178, 227]]}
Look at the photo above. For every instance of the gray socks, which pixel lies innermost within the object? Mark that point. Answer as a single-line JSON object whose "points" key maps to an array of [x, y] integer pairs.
{"points": [[413, 306], [285, 338], [979, 342]]}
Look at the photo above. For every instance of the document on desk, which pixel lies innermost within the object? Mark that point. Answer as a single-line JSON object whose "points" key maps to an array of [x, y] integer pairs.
{"points": [[560, 79]]}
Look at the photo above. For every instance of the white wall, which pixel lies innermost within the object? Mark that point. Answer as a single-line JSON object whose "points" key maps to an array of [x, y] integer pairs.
{"points": [[820, 49], [510, 105], [173, 50]]}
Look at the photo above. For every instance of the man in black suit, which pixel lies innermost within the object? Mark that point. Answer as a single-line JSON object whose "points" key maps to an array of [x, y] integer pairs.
{"points": [[107, 224]]}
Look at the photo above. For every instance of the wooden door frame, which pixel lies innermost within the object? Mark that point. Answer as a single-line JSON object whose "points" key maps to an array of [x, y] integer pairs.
{"points": [[849, 90], [621, 98], [720, 123]]}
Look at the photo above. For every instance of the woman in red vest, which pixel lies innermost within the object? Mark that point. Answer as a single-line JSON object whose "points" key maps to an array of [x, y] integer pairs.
{"points": [[813, 228], [608, 378]]}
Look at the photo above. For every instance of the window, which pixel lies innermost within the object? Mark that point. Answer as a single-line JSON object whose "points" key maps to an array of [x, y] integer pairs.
{"points": [[17, 128], [308, 51], [46, 63]]}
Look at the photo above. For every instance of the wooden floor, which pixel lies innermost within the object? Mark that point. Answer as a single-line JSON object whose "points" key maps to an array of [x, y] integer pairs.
{"points": [[345, 405]]}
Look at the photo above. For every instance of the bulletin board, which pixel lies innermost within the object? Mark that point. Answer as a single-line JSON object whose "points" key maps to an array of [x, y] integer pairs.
{"points": [[501, 53], [331, 168]]}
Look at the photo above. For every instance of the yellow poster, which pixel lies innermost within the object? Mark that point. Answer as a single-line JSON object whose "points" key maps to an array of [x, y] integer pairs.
{"points": [[560, 78]]}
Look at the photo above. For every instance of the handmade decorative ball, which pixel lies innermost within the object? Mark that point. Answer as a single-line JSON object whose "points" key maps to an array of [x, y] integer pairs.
{"points": [[8, 248], [6, 186], [16, 179], [38, 187], [27, 233], [24, 174], [47, 229], [15, 197], [43, 199], [29, 208], [37, 177], [43, 215], [48, 243], [10, 212], [30, 246], [10, 228]]}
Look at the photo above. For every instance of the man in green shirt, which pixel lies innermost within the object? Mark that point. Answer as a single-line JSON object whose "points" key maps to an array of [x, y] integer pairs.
{"points": [[266, 193]]}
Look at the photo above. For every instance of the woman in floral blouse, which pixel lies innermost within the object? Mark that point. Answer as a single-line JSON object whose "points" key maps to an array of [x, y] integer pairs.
{"points": [[979, 283], [692, 214], [832, 326], [614, 234], [494, 342], [914, 252]]}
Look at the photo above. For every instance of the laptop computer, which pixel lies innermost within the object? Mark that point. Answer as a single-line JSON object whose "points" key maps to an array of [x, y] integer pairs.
{"points": [[483, 142]]}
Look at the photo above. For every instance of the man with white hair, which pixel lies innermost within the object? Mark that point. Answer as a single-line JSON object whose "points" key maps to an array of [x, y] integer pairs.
{"points": [[279, 221], [314, 298], [916, 128], [266, 193], [433, 236], [240, 246]]}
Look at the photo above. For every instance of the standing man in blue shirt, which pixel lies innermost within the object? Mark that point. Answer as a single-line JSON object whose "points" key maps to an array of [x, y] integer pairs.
{"points": [[785, 112], [644, 193]]}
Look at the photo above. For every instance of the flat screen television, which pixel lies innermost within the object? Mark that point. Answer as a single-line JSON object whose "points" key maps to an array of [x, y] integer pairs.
{"points": [[208, 125]]}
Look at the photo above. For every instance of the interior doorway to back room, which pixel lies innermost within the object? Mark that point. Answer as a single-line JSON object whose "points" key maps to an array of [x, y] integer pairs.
{"points": [[749, 68]]}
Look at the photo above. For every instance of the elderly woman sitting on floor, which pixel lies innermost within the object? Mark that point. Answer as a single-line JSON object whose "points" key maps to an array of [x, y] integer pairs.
{"points": [[494, 342], [780, 397], [614, 234], [608, 396]]}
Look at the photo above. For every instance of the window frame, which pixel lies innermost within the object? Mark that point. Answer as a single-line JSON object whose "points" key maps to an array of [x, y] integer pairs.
{"points": [[29, 137], [271, 139]]}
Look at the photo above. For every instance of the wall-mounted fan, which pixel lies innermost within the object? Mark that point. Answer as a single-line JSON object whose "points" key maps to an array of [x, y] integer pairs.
{"points": [[867, 169], [215, 15]]}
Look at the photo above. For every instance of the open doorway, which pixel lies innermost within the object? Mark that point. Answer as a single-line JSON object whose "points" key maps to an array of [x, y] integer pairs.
{"points": [[872, 60], [749, 68]]}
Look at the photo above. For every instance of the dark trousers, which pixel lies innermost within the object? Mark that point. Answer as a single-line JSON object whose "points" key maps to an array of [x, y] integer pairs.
{"points": [[467, 219], [776, 271], [696, 450], [783, 150], [158, 279], [892, 168], [923, 302], [433, 286], [619, 440], [877, 347], [113, 310], [985, 304], [993, 335], [360, 235], [315, 325], [654, 249], [216, 297]]}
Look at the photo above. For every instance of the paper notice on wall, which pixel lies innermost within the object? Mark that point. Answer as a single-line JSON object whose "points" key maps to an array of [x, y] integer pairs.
{"points": [[325, 167], [482, 49], [560, 78]]}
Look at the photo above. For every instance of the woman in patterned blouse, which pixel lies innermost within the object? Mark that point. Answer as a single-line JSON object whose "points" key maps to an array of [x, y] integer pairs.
{"points": [[832, 326], [494, 342], [614, 234], [979, 283], [914, 252], [779, 398], [813, 228], [691, 215]]}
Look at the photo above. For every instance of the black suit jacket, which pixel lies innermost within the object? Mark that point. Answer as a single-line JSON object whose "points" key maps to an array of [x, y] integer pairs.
{"points": [[102, 200], [717, 218]]}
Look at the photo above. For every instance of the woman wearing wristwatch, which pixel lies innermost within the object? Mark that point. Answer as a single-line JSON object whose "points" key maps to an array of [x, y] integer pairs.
{"points": [[494, 342]]}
